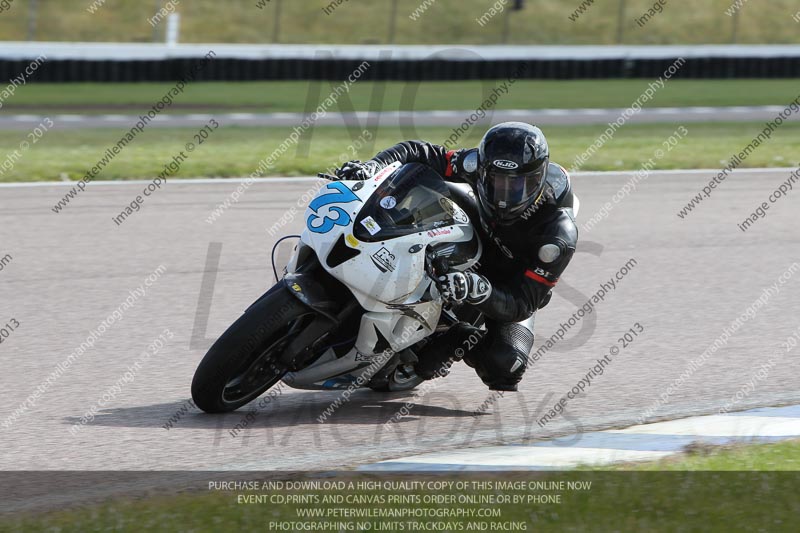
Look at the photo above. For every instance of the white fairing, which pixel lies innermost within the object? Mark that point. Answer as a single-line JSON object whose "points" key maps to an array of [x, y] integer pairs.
{"points": [[387, 278]]}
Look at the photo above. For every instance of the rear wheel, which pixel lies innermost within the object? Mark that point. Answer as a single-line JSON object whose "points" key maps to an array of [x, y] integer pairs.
{"points": [[245, 360]]}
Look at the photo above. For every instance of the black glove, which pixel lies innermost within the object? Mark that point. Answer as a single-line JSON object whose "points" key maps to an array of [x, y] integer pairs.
{"points": [[459, 287], [353, 170]]}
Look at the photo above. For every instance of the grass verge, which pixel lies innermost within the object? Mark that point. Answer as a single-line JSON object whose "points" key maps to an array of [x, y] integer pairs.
{"points": [[236, 151], [779, 456], [291, 96]]}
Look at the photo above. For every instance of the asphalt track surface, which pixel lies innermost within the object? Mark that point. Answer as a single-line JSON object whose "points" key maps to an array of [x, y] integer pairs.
{"points": [[409, 118], [70, 271]]}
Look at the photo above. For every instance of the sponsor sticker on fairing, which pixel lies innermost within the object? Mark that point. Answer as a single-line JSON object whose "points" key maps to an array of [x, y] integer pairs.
{"points": [[388, 170], [389, 202], [371, 225], [440, 232], [384, 260], [454, 210]]}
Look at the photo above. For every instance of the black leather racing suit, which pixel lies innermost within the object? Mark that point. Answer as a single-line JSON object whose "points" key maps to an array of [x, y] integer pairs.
{"points": [[523, 261]]}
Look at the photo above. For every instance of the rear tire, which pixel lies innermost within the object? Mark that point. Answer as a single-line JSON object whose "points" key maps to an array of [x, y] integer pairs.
{"points": [[245, 360]]}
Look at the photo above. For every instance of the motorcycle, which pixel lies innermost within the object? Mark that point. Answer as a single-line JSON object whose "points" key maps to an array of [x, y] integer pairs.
{"points": [[357, 301]]}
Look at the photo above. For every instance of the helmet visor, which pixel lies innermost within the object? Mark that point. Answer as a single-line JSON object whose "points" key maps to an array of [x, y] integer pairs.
{"points": [[509, 192]]}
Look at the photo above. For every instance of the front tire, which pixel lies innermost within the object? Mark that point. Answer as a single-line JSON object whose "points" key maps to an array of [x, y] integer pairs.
{"points": [[245, 360]]}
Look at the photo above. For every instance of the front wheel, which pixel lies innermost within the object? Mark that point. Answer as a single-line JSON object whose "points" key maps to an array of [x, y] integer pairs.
{"points": [[245, 360]]}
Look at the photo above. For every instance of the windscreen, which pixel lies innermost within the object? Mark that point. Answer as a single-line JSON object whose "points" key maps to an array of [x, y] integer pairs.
{"points": [[413, 199]]}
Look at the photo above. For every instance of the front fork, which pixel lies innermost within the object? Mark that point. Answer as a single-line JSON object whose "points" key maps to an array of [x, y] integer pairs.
{"points": [[330, 314]]}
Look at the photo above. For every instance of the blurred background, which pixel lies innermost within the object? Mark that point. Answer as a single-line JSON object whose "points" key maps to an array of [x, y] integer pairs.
{"points": [[91, 66], [388, 22]]}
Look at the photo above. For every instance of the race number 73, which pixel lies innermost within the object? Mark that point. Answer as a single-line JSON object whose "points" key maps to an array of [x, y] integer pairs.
{"points": [[326, 222]]}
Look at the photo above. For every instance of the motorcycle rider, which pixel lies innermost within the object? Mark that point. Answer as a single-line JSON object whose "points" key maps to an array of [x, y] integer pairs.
{"points": [[525, 206]]}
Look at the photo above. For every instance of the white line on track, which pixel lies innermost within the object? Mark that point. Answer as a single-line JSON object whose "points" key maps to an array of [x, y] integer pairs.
{"points": [[70, 118], [699, 110]]}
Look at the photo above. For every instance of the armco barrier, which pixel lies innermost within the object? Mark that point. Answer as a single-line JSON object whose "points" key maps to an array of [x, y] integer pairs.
{"points": [[110, 62]]}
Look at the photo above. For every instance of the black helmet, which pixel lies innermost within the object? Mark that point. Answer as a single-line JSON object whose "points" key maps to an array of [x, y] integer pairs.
{"points": [[512, 166]]}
